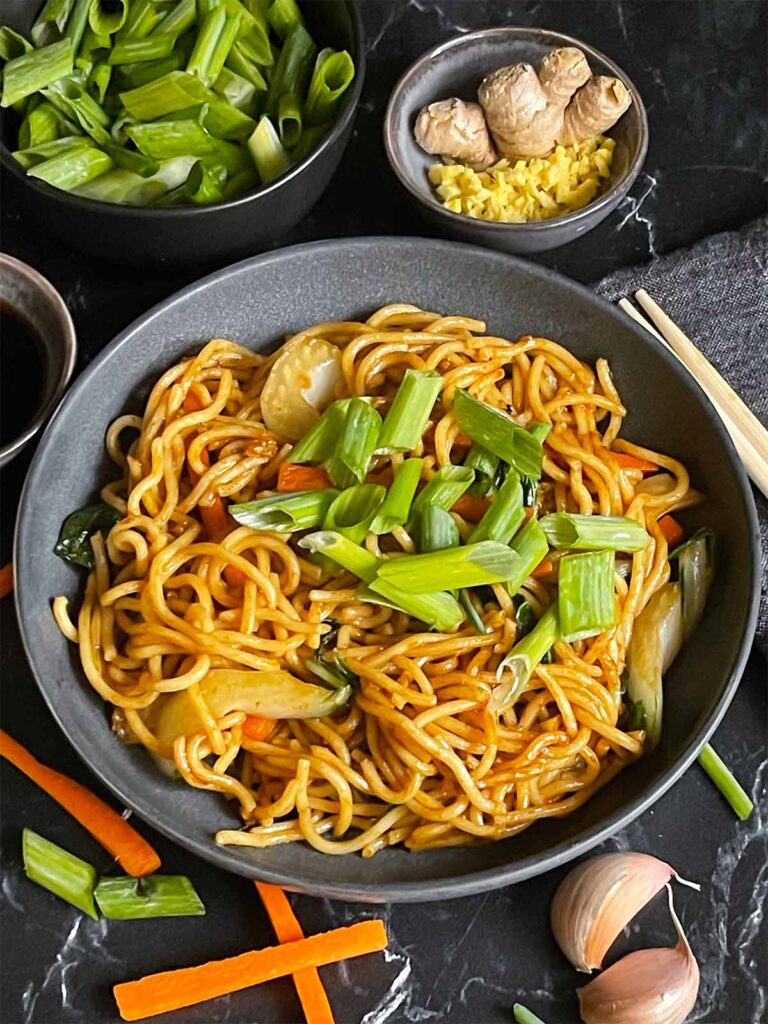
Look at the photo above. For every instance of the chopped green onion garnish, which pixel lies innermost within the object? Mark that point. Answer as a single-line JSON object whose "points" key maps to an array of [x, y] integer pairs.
{"points": [[469, 566], [36, 155], [283, 16], [285, 513], [35, 70], [444, 489], [133, 51], [215, 38], [465, 600], [12, 44], [486, 467], [407, 417], [71, 98], [437, 530], [44, 124], [331, 78], [225, 121], [539, 430], [726, 782], [318, 443], [293, 68], [143, 17], [165, 95], [51, 22], [72, 169], [585, 595], [495, 431], [397, 504], [351, 513], [524, 1016], [236, 90], [242, 63], [162, 140], [77, 23], [131, 899], [354, 448], [531, 546], [289, 119], [107, 16], [59, 871], [344, 552], [267, 151], [505, 514], [177, 21], [440, 611], [568, 530], [520, 662]]}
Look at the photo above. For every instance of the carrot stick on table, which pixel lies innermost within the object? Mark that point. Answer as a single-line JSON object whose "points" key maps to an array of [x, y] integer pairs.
{"points": [[627, 461], [6, 580], [173, 990], [131, 850], [672, 530], [293, 477], [312, 995]]}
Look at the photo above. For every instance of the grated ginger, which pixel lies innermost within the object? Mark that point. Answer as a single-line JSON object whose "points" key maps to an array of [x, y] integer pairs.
{"points": [[535, 189]]}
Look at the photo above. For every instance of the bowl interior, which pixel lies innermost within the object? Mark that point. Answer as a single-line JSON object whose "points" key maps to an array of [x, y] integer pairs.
{"points": [[258, 302], [456, 69]]}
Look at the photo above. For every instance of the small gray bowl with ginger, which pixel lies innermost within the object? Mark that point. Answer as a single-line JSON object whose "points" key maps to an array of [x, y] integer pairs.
{"points": [[455, 70]]}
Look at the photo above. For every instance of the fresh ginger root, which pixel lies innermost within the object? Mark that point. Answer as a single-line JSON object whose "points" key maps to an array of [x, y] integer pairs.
{"points": [[456, 129], [595, 107]]}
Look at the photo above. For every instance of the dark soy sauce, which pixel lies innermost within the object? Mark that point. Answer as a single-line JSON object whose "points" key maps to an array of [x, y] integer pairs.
{"points": [[22, 374]]}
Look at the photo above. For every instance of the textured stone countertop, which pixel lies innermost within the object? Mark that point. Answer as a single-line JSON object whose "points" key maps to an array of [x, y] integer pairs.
{"points": [[700, 67]]}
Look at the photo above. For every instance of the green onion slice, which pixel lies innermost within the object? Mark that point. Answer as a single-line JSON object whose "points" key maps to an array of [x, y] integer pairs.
{"points": [[586, 599], [237, 90], [486, 467], [318, 444], [344, 552], [59, 871], [726, 782], [165, 95], [437, 530], [408, 415], [444, 489], [524, 1016], [396, 508], [285, 513], [132, 899], [215, 39], [657, 636], [133, 51], [569, 530], [35, 70], [332, 76], [293, 68], [267, 151], [77, 23], [72, 169], [50, 23], [516, 668], [505, 514], [440, 611], [12, 44], [473, 615], [283, 16], [531, 546], [106, 18], [469, 566], [355, 446], [178, 20], [351, 513], [289, 119], [495, 431]]}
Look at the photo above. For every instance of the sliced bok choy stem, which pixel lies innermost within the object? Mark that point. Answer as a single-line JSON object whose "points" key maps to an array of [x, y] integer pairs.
{"points": [[396, 508], [355, 446], [568, 530], [697, 571], [351, 513], [531, 546], [35, 70], [495, 431], [585, 594], [408, 415], [336, 674], [505, 514], [519, 663], [344, 552], [285, 513], [726, 782], [134, 899], [59, 871], [468, 566], [443, 490], [657, 636]]}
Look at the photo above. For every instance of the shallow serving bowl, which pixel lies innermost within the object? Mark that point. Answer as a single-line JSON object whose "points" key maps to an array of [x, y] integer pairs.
{"points": [[456, 68], [209, 234], [258, 302]]}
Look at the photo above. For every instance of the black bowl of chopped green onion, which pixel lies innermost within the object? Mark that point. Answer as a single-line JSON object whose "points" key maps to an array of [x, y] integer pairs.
{"points": [[175, 131]]}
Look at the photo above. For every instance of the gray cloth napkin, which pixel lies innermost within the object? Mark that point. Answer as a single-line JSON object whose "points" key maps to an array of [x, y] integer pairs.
{"points": [[717, 291]]}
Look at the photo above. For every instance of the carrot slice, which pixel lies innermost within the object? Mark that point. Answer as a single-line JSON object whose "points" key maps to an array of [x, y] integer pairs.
{"points": [[192, 402], [292, 477], [471, 508], [131, 850], [6, 580], [627, 461], [257, 728], [544, 569], [672, 530], [312, 995], [174, 990]]}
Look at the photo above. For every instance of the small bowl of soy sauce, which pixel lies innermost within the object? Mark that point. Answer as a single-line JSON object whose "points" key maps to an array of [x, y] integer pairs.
{"points": [[38, 348]]}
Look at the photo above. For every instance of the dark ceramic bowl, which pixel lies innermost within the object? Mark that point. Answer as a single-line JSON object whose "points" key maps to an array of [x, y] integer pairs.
{"points": [[456, 68], [198, 234], [257, 303]]}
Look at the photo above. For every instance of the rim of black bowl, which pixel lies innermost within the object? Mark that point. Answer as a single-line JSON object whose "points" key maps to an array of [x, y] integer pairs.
{"points": [[618, 188], [345, 115], [475, 881]]}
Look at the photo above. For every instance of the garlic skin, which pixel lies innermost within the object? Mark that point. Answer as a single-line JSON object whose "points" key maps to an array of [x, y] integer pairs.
{"points": [[650, 986], [599, 898]]}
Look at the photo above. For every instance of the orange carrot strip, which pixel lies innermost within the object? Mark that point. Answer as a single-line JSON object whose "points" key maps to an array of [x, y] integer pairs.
{"points": [[672, 530], [131, 850], [312, 995], [257, 728], [6, 580], [192, 402], [627, 461], [173, 990], [471, 508], [292, 477], [543, 569]]}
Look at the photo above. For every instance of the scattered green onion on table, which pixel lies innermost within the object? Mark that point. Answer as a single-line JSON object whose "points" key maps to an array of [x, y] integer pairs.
{"points": [[168, 102]]}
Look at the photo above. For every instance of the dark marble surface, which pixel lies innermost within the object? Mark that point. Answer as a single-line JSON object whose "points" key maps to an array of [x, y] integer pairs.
{"points": [[701, 69]]}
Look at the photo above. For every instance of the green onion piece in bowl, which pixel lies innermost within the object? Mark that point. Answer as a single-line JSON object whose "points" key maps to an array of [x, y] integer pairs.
{"points": [[344, 552], [178, 20], [289, 119], [143, 17], [318, 443], [237, 90], [336, 674], [77, 23], [98, 80], [726, 782], [284, 16], [332, 76], [469, 566], [205, 184], [356, 444], [293, 68], [224, 121], [505, 514], [107, 16], [44, 123], [351, 513], [162, 140], [168, 94], [215, 39], [531, 545], [267, 151], [407, 417], [51, 21], [59, 871], [438, 610], [586, 599], [70, 97], [486, 467], [12, 44], [123, 186], [444, 489], [495, 431], [72, 169], [437, 530], [539, 430], [130, 160], [310, 139], [134, 899], [242, 63], [520, 662], [36, 155], [569, 530], [35, 70], [285, 513], [396, 508], [133, 51]]}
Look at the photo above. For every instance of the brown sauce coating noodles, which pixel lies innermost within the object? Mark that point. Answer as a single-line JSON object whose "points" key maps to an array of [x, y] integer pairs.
{"points": [[415, 758]]}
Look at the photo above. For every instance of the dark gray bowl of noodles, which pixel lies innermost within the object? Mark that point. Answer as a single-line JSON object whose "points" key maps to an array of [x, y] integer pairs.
{"points": [[257, 304]]}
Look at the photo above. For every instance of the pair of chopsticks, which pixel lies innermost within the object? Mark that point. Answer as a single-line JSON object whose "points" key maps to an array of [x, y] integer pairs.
{"points": [[749, 436]]}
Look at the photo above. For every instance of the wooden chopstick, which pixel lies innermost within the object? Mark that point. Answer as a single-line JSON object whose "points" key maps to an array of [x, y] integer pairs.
{"points": [[749, 436]]}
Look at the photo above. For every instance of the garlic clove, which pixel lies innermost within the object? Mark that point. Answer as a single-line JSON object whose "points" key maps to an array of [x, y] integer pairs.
{"points": [[599, 898], [650, 986]]}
